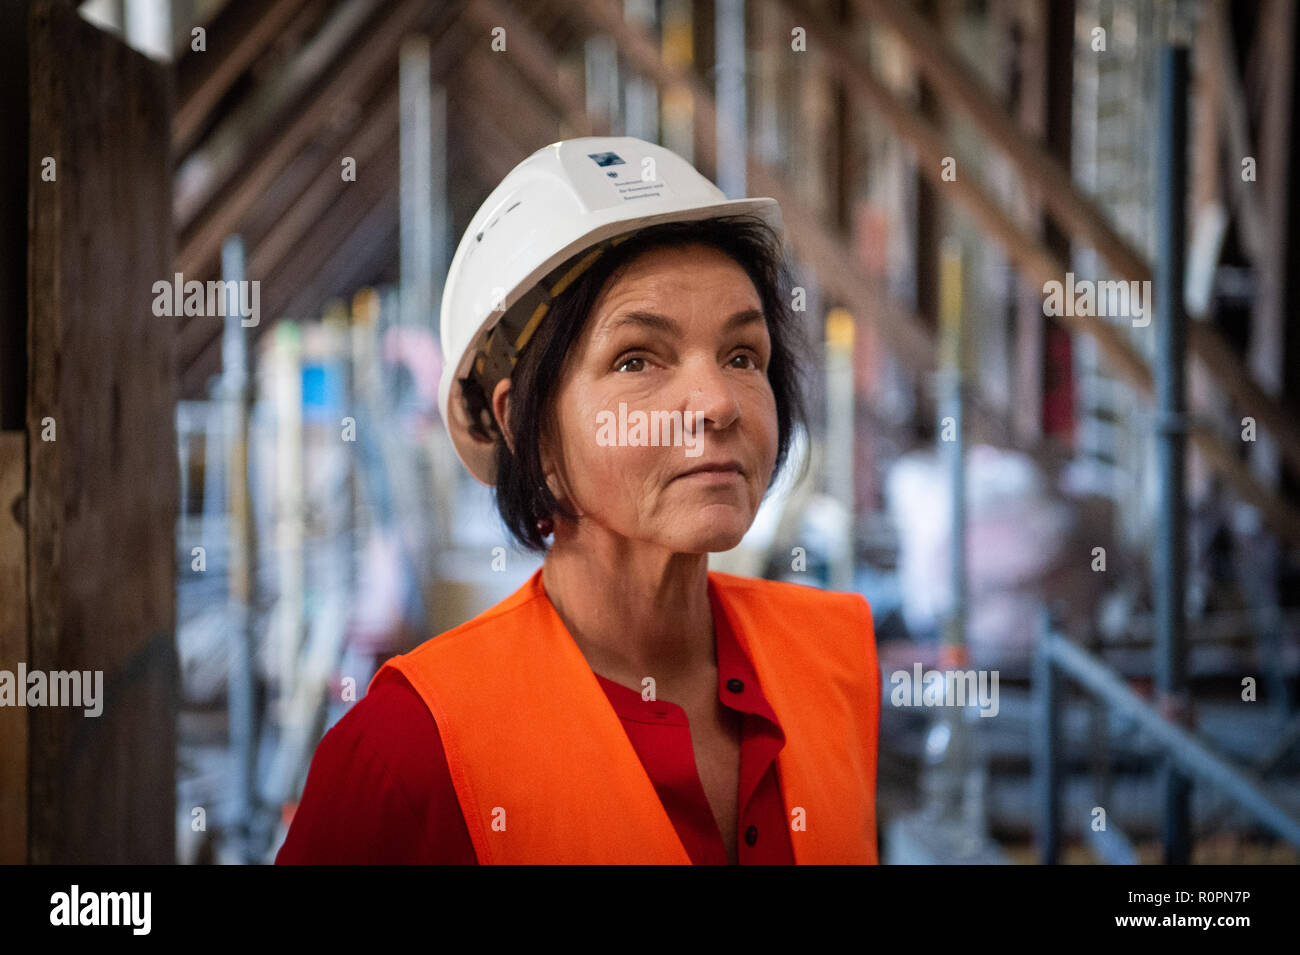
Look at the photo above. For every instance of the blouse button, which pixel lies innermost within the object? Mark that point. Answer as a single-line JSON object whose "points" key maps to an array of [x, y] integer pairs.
{"points": [[751, 835], [735, 686]]}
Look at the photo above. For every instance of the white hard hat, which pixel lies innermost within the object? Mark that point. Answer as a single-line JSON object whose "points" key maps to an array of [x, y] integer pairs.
{"points": [[575, 196]]}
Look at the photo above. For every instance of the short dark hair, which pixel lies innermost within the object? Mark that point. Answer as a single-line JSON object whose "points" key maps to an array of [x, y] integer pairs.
{"points": [[522, 495]]}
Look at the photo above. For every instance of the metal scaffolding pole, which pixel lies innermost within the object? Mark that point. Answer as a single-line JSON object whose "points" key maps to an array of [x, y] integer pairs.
{"points": [[440, 199], [640, 94], [730, 95], [1180, 747], [1048, 758], [953, 375], [839, 439], [1171, 549], [417, 220], [242, 707]]}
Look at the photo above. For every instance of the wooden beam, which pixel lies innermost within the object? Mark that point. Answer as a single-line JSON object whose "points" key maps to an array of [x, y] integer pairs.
{"points": [[367, 249], [13, 644], [103, 485], [1042, 267], [366, 147], [373, 187], [378, 49], [14, 172], [251, 125], [380, 117], [289, 189], [479, 128], [508, 96], [491, 164], [242, 32], [1053, 186], [960, 85], [985, 209], [530, 54], [268, 251]]}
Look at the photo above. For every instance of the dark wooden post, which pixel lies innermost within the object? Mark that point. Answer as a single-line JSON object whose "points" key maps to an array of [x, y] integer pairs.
{"points": [[102, 491]]}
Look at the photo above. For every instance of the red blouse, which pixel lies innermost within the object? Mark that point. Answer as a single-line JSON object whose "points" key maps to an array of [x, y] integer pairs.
{"points": [[379, 792]]}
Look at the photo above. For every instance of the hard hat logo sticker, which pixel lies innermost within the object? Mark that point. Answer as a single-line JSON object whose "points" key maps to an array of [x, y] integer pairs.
{"points": [[606, 159]]}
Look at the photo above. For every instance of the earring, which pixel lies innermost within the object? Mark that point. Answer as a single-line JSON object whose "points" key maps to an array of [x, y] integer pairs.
{"points": [[545, 526]]}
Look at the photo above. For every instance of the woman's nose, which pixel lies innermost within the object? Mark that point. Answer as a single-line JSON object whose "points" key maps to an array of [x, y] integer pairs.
{"points": [[711, 395]]}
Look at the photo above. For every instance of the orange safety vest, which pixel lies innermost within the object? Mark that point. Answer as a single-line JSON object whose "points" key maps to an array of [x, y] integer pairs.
{"points": [[545, 773]]}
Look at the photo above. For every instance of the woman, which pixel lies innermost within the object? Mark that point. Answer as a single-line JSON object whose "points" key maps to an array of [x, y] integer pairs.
{"points": [[621, 364]]}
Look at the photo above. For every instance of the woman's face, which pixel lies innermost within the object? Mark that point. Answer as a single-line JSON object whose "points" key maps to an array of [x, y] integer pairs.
{"points": [[668, 377]]}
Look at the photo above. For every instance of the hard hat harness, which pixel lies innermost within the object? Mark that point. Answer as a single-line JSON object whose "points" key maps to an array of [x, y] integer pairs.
{"points": [[496, 357]]}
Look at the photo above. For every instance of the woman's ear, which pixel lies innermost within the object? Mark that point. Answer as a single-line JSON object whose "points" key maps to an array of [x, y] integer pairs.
{"points": [[501, 410], [554, 482], [549, 458]]}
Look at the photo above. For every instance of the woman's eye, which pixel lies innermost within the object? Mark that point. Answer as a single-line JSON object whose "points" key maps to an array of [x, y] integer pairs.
{"points": [[746, 357], [632, 360]]}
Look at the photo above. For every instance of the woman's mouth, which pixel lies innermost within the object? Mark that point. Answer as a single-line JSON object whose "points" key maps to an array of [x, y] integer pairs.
{"points": [[713, 472]]}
